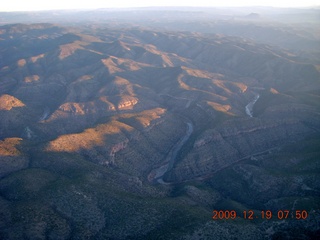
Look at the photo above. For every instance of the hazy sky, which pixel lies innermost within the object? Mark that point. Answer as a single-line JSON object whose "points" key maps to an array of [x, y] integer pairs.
{"points": [[23, 5]]}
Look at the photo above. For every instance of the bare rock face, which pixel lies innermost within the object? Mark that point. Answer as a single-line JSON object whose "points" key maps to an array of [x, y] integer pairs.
{"points": [[14, 116], [11, 159], [8, 102], [123, 104]]}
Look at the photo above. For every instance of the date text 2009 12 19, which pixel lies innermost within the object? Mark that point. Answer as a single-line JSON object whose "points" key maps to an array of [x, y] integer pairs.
{"points": [[267, 214]]}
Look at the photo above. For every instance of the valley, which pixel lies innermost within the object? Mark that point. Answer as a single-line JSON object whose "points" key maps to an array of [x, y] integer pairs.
{"points": [[114, 126]]}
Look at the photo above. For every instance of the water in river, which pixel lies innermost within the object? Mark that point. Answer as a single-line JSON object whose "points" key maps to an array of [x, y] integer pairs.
{"points": [[249, 107], [157, 174]]}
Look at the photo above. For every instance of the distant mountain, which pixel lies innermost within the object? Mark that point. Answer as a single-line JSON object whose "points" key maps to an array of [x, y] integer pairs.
{"points": [[253, 16], [113, 132]]}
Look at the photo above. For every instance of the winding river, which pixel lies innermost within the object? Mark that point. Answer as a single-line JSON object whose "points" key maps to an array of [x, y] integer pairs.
{"points": [[157, 174], [45, 115], [249, 107]]}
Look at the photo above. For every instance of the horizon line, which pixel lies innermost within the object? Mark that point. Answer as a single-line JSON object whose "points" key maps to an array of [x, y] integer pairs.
{"points": [[155, 7]]}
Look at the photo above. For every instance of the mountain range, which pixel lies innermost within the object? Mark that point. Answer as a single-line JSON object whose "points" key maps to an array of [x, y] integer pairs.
{"points": [[130, 130]]}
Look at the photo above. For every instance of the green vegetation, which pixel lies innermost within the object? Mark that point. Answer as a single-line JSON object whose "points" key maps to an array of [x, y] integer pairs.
{"points": [[91, 115]]}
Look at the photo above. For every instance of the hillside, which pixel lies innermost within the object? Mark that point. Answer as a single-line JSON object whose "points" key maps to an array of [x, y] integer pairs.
{"points": [[140, 133]]}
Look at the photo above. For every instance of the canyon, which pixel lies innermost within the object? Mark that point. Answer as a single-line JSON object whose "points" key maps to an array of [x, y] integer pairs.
{"points": [[114, 126]]}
